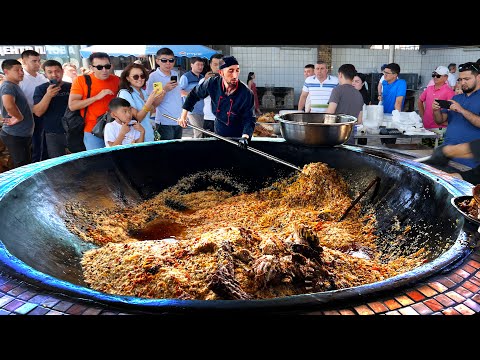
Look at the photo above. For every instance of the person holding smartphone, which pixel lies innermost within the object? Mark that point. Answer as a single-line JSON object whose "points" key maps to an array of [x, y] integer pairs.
{"points": [[439, 90], [232, 103], [50, 102], [463, 116], [172, 101]]}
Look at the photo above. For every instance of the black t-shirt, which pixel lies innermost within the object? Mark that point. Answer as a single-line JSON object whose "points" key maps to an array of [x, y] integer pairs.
{"points": [[52, 119]]}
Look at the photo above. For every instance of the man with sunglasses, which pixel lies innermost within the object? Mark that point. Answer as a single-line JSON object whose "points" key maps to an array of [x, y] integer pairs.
{"points": [[463, 116], [440, 90], [172, 102], [103, 89], [232, 102]]}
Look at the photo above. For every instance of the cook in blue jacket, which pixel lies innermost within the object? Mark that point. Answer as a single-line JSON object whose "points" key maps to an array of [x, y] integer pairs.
{"points": [[232, 102]]}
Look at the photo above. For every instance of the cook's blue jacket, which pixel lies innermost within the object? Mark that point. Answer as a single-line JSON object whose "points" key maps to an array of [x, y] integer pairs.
{"points": [[234, 114]]}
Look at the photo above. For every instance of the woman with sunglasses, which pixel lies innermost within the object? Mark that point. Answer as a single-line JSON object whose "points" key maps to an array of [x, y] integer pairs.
{"points": [[132, 83]]}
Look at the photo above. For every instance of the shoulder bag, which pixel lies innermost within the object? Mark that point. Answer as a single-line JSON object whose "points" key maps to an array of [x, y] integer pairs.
{"points": [[74, 123], [99, 128]]}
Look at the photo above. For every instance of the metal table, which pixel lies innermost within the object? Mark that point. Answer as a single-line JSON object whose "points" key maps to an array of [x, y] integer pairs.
{"points": [[401, 136]]}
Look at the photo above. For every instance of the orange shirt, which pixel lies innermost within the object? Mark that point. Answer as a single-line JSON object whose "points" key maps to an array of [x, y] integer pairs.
{"points": [[79, 86]]}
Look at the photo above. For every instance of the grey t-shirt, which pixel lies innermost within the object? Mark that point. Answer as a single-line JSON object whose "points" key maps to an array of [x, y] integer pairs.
{"points": [[348, 99], [25, 127]]}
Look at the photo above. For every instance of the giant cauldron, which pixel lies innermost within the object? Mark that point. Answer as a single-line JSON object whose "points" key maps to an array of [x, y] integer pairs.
{"points": [[37, 247]]}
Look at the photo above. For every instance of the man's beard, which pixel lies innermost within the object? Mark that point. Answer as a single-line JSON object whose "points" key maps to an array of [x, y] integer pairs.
{"points": [[232, 83], [469, 90]]}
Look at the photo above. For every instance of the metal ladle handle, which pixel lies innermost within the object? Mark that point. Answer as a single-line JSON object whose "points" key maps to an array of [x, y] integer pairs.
{"points": [[270, 157]]}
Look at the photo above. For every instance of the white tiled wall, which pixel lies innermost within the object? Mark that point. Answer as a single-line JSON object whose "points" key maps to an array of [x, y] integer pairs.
{"points": [[283, 66], [278, 66], [367, 60]]}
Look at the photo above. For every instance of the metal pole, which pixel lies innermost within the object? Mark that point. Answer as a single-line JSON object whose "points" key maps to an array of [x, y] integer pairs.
{"points": [[270, 157], [391, 53]]}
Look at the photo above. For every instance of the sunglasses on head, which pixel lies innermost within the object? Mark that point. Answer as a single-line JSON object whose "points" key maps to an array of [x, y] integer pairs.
{"points": [[169, 60], [434, 74], [136, 76], [468, 66], [100, 67]]}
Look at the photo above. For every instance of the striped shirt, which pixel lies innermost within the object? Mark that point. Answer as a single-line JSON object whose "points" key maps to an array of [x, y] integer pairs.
{"points": [[319, 92]]}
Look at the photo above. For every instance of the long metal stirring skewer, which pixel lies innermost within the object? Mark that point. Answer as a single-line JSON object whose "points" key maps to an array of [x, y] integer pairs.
{"points": [[270, 157]]}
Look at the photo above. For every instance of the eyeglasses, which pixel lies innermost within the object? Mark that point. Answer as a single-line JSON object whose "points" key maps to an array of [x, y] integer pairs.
{"points": [[100, 67], [436, 75], [136, 76], [468, 66], [387, 73], [169, 60]]}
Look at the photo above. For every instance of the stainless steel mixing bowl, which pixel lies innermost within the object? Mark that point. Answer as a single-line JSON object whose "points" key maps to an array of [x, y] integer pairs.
{"points": [[315, 129]]}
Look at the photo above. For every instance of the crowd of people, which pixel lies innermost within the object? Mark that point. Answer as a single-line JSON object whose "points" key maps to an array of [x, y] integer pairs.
{"points": [[143, 103], [34, 103]]}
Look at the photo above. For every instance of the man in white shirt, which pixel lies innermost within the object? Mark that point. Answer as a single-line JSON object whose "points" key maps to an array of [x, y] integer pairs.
{"points": [[31, 65], [452, 75], [380, 86], [319, 86], [308, 70], [69, 72]]}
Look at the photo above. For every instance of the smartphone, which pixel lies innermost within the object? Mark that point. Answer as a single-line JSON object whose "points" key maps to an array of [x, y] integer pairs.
{"points": [[173, 78], [132, 122], [444, 104], [157, 86], [54, 82]]}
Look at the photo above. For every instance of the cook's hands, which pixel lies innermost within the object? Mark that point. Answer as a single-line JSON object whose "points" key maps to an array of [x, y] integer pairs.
{"points": [[170, 86], [243, 143], [12, 120], [182, 122]]}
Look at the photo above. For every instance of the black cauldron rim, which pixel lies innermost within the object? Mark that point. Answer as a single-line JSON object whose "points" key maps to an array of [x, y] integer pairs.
{"points": [[17, 268]]}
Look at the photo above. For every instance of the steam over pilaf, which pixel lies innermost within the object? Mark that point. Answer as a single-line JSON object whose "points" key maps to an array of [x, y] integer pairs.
{"points": [[282, 240]]}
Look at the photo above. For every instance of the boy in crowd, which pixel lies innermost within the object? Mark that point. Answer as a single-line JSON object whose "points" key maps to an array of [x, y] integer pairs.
{"points": [[123, 130]]}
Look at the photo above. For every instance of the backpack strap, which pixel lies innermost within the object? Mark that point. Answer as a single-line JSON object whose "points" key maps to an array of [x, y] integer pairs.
{"points": [[88, 80]]}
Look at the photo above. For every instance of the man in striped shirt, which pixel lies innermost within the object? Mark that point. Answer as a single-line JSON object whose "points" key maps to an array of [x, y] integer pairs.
{"points": [[319, 86]]}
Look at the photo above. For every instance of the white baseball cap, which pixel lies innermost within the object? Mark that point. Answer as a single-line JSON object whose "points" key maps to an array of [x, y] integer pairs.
{"points": [[442, 70]]}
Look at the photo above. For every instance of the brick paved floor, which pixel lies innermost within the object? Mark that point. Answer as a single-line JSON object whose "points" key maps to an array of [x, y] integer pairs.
{"points": [[456, 292]]}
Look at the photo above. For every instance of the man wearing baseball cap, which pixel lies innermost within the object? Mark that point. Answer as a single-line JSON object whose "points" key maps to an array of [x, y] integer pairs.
{"points": [[232, 102], [439, 90]]}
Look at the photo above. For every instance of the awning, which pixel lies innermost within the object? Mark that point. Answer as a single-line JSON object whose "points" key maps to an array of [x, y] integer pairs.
{"points": [[139, 50]]}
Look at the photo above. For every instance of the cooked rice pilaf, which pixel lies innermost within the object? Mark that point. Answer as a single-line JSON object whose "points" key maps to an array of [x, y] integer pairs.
{"points": [[282, 240]]}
